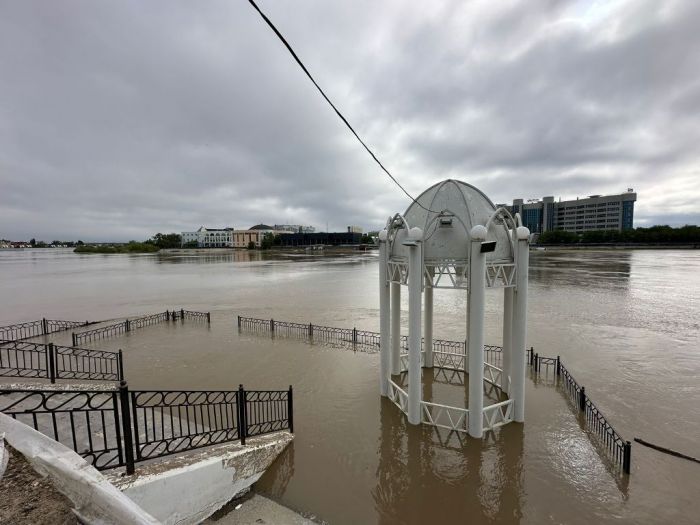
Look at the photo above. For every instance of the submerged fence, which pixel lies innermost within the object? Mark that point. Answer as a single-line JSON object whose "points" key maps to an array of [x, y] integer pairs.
{"points": [[50, 361], [364, 338], [138, 322], [619, 450], [43, 326], [119, 427]]}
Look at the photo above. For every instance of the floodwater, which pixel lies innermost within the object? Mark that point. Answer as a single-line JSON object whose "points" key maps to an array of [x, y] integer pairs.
{"points": [[626, 324]]}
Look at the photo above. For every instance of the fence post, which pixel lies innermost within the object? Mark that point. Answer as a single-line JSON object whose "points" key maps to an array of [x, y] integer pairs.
{"points": [[290, 410], [127, 326], [311, 331], [167, 315], [51, 361], [74, 341], [44, 326], [537, 360], [126, 427], [558, 365], [627, 457], [354, 335], [208, 317], [242, 414], [532, 354], [120, 365], [272, 326], [239, 322], [182, 315], [582, 398]]}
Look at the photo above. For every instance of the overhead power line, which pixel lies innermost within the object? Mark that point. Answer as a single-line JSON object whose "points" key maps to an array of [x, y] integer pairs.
{"points": [[337, 111]]}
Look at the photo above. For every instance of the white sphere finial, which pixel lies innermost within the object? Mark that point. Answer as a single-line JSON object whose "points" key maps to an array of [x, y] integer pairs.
{"points": [[522, 233], [415, 234], [383, 235], [478, 233]]}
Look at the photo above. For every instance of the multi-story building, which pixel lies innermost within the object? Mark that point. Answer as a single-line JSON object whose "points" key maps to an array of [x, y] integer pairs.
{"points": [[294, 228], [209, 237], [597, 212], [354, 229], [255, 234]]}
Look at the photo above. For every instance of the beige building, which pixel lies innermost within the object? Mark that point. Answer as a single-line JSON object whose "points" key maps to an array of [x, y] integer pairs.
{"points": [[242, 238]]}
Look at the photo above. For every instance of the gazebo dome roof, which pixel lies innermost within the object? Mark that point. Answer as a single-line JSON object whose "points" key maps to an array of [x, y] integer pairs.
{"points": [[446, 212]]}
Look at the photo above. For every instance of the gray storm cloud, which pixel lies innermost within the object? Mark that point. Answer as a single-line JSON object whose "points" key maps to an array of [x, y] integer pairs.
{"points": [[120, 119]]}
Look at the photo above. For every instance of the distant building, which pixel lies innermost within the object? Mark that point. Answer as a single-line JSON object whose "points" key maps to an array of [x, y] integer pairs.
{"points": [[255, 234], [294, 228], [325, 238], [597, 212], [354, 229], [209, 237]]}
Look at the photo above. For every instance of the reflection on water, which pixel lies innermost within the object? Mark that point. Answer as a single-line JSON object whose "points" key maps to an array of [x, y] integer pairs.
{"points": [[423, 479], [581, 268]]}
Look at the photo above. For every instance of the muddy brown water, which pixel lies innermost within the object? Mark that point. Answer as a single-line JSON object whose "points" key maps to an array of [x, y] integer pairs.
{"points": [[626, 324]]}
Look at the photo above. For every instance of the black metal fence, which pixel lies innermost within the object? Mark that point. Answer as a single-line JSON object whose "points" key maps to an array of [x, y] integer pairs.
{"points": [[620, 450], [50, 361], [366, 338], [44, 326], [128, 325], [118, 427]]}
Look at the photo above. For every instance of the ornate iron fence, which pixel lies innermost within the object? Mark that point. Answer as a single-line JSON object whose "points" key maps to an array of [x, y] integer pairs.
{"points": [[21, 359], [87, 421], [619, 450], [128, 325], [43, 326], [117, 427], [38, 360], [366, 338]]}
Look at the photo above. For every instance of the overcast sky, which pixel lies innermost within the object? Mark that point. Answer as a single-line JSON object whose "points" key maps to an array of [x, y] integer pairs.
{"points": [[121, 118]]}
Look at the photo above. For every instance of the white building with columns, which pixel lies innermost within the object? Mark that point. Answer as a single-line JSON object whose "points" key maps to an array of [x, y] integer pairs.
{"points": [[453, 237]]}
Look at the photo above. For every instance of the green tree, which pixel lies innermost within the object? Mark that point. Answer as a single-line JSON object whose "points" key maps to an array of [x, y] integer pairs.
{"points": [[32, 242], [558, 237], [267, 241], [251, 245], [166, 240]]}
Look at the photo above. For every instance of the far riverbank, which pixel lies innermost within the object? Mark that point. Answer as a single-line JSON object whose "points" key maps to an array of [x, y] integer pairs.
{"points": [[617, 246]]}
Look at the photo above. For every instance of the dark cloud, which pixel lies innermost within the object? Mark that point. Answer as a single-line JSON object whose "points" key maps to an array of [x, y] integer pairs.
{"points": [[121, 119]]}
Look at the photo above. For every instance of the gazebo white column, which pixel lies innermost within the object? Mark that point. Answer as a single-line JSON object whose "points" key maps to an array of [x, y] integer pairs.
{"points": [[415, 284], [517, 364], [428, 326], [507, 337], [384, 336], [475, 330], [395, 328]]}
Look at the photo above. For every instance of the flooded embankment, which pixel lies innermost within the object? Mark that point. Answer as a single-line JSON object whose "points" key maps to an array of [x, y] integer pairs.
{"points": [[624, 322]]}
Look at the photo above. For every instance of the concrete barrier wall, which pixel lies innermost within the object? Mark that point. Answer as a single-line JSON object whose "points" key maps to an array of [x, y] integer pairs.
{"points": [[95, 499], [188, 489]]}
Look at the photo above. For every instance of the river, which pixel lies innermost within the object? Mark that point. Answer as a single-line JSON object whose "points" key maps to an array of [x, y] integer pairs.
{"points": [[626, 323]]}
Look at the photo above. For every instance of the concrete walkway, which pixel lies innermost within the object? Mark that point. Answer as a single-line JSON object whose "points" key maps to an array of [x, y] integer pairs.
{"points": [[257, 510]]}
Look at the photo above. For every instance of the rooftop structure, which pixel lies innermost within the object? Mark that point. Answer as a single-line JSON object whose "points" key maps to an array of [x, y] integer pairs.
{"points": [[452, 236], [295, 228]]}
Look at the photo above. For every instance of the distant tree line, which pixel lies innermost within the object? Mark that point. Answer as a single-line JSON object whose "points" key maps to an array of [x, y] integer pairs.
{"points": [[158, 242], [653, 235]]}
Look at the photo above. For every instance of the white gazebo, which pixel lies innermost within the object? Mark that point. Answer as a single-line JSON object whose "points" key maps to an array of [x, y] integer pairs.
{"points": [[452, 236]]}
